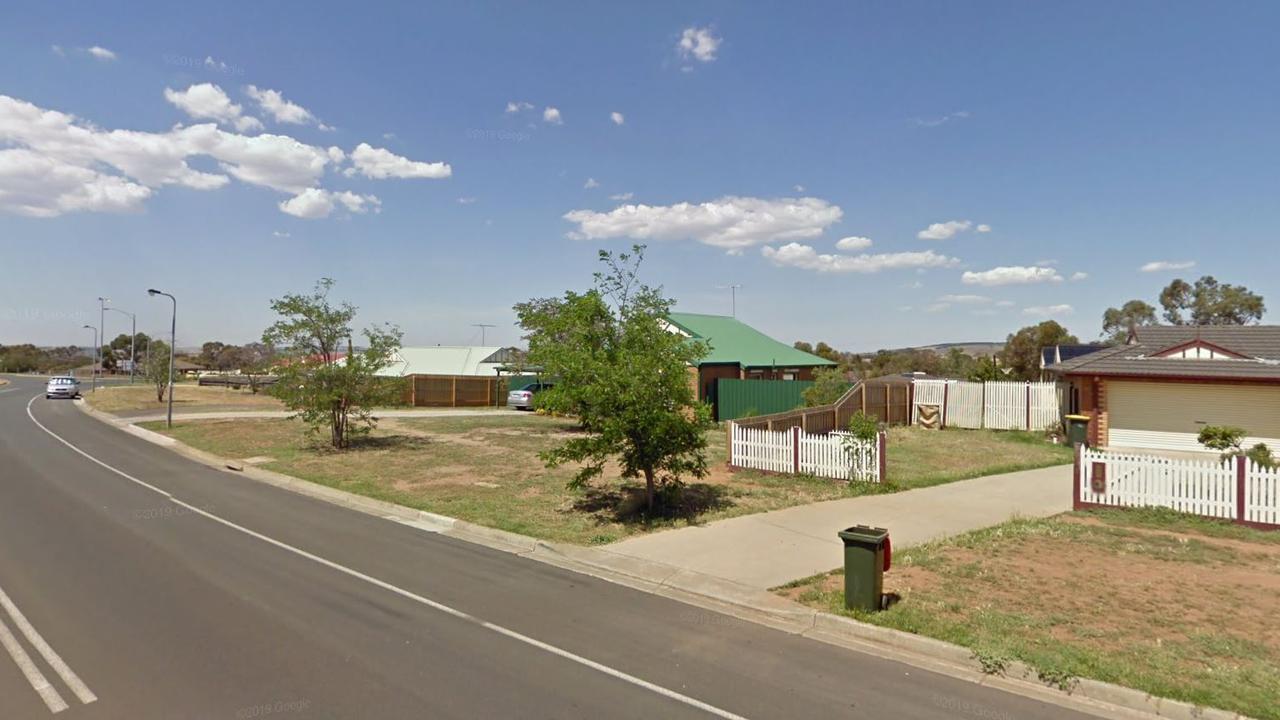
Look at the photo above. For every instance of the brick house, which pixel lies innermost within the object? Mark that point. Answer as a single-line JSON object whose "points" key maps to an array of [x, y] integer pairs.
{"points": [[1164, 383]]}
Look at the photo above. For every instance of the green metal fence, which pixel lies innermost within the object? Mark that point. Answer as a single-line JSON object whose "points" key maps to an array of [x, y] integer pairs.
{"points": [[743, 398]]}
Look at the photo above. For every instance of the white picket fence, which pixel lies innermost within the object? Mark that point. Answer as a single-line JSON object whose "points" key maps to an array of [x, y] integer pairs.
{"points": [[1235, 490], [997, 405], [835, 455]]}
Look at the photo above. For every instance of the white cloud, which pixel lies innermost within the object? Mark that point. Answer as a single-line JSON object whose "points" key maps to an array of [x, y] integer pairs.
{"points": [[101, 53], [1165, 265], [944, 230], [1011, 275], [1078, 276], [517, 106], [728, 222], [590, 183], [1005, 303], [466, 200], [965, 299], [983, 228], [207, 101], [552, 115], [280, 234], [37, 185], [315, 203], [283, 111], [622, 197], [798, 188], [805, 257], [380, 163], [1048, 310], [57, 50], [935, 122], [617, 117], [853, 242], [698, 43], [55, 163], [936, 307]]}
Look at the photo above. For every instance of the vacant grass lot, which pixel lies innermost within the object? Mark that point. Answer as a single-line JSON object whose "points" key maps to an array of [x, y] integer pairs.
{"points": [[486, 470], [920, 458], [187, 397], [1169, 604]]}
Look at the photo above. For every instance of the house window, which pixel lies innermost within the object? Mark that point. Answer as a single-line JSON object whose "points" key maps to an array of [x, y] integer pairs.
{"points": [[1073, 399], [788, 376]]}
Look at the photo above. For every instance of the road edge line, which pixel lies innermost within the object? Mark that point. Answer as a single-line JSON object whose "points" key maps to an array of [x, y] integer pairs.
{"points": [[957, 661]]}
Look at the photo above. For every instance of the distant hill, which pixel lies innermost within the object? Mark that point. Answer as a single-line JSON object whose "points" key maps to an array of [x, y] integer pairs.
{"points": [[969, 348]]}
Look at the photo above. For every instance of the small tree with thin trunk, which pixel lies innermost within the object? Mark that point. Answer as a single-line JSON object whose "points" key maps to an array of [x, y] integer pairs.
{"points": [[322, 378], [156, 368], [618, 368]]}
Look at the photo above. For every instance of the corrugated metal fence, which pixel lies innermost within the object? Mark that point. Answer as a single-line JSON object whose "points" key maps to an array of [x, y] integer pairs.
{"points": [[743, 398]]}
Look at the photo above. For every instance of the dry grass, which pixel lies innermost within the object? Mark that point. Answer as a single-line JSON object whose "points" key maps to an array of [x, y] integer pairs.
{"points": [[186, 398], [487, 470], [1175, 606], [920, 458]]}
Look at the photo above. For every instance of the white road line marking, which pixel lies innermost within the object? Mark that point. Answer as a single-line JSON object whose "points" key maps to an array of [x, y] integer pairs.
{"points": [[39, 683], [605, 669], [69, 677]]}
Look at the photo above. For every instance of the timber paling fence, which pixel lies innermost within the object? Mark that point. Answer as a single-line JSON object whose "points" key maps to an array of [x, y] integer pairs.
{"points": [[1237, 489], [888, 403], [832, 455], [453, 391]]}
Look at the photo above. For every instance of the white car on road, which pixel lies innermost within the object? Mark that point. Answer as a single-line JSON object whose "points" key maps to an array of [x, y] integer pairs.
{"points": [[63, 386]]}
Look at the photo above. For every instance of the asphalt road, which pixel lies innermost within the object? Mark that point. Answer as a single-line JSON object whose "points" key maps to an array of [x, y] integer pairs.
{"points": [[137, 584]]}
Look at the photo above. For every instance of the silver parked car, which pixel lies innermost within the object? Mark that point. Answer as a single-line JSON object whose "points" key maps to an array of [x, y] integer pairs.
{"points": [[522, 399], [63, 386]]}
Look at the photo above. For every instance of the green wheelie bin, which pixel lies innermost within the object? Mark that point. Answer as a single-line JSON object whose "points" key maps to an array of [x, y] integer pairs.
{"points": [[867, 556]]}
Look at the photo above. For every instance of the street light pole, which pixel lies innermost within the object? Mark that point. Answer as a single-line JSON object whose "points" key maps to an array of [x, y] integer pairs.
{"points": [[173, 335], [95, 344], [133, 355], [102, 333]]}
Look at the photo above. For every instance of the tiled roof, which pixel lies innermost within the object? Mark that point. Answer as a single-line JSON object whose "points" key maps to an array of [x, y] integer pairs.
{"points": [[1259, 344]]}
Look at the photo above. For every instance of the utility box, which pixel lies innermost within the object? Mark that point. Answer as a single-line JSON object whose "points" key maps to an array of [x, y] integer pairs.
{"points": [[867, 555]]}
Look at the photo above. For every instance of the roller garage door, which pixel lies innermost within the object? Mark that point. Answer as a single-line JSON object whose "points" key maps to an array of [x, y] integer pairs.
{"points": [[1168, 416]]}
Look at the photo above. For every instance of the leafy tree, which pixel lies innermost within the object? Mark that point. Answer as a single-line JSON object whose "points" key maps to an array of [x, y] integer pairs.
{"points": [[209, 354], [1210, 303], [1021, 353], [1227, 441], [156, 367], [803, 346], [108, 356], [984, 369], [623, 374], [828, 385], [1116, 322], [323, 388]]}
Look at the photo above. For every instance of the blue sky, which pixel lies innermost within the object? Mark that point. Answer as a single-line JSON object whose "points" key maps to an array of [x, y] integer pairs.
{"points": [[1041, 143]]}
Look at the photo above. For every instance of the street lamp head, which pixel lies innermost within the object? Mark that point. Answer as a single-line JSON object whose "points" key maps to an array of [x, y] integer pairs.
{"points": [[153, 292], [89, 327]]}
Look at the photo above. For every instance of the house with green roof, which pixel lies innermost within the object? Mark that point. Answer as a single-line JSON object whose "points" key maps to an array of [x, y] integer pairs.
{"points": [[739, 351]]}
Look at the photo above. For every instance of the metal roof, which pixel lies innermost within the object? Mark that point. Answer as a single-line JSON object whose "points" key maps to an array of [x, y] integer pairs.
{"points": [[1259, 344], [733, 341], [445, 360]]}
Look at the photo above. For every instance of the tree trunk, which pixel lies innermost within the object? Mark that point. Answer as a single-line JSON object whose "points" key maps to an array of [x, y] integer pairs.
{"points": [[649, 488]]}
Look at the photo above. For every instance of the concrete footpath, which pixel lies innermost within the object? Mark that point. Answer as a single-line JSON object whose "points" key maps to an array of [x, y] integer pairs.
{"points": [[774, 548]]}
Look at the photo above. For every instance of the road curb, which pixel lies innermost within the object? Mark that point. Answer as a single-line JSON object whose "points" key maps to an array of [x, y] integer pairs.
{"points": [[708, 592]]}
